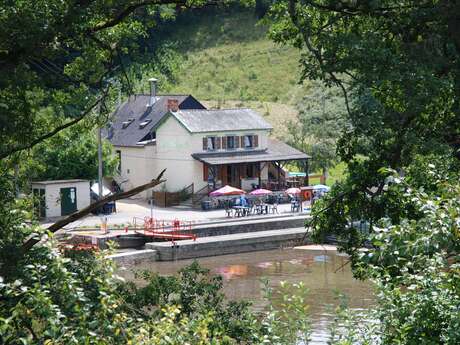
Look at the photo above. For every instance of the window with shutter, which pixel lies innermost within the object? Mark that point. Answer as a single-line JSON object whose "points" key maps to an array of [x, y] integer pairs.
{"points": [[224, 142], [218, 143], [230, 142], [256, 141], [236, 141], [248, 141], [205, 143], [211, 143]]}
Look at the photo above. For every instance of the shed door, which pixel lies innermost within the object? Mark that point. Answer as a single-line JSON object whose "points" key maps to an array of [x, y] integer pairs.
{"points": [[68, 200]]}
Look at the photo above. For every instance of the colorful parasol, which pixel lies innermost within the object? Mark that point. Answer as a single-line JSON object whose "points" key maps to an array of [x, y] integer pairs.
{"points": [[261, 191], [227, 190], [292, 191]]}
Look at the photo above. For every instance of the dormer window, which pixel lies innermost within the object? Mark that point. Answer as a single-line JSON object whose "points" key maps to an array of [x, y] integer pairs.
{"points": [[127, 123], [144, 123]]}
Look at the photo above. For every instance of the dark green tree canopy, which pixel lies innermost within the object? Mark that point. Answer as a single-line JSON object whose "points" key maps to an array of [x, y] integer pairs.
{"points": [[69, 154], [319, 125], [398, 66], [58, 57], [398, 61]]}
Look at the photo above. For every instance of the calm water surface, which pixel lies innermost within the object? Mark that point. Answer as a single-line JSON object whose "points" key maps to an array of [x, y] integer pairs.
{"points": [[323, 273]]}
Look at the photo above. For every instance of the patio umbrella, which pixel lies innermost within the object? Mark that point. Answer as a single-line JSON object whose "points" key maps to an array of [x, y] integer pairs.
{"points": [[105, 190], [227, 190], [321, 187], [292, 190], [260, 192]]}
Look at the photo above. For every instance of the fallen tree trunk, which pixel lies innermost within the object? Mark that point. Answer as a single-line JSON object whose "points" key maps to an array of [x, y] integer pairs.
{"points": [[87, 210]]}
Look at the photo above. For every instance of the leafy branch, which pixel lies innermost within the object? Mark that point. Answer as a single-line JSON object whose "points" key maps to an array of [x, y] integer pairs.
{"points": [[56, 130]]}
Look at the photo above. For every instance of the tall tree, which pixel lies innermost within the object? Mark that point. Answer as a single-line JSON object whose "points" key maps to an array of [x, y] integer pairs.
{"points": [[397, 64], [319, 124], [69, 154], [57, 61], [58, 57]]}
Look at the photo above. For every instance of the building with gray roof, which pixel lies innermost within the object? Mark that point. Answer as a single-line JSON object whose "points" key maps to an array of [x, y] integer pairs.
{"points": [[200, 148]]}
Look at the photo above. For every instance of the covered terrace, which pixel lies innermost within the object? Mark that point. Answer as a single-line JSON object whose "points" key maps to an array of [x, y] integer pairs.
{"points": [[252, 168]]}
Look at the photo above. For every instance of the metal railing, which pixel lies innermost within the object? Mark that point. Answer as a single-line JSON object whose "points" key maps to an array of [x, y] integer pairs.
{"points": [[200, 195]]}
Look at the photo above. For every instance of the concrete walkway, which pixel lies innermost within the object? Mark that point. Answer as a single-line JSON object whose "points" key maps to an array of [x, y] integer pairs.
{"points": [[128, 209]]}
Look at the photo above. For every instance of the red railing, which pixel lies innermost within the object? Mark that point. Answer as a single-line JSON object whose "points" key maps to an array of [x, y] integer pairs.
{"points": [[167, 229]]}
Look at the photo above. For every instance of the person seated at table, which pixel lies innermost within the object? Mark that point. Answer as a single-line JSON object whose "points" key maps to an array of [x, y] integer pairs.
{"points": [[243, 201]]}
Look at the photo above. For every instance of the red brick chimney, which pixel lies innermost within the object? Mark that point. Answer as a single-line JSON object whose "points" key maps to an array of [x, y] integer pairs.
{"points": [[173, 105]]}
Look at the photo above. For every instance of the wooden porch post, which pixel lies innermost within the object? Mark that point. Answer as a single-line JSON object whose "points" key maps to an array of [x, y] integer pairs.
{"points": [[278, 165], [212, 168], [307, 180], [259, 174]]}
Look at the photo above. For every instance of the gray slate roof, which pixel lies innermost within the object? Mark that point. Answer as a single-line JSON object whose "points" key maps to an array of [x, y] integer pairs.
{"points": [[276, 151], [136, 108], [59, 181], [197, 121]]}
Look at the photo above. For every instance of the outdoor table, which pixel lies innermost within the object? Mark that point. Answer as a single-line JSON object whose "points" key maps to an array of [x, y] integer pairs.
{"points": [[240, 211], [262, 208]]}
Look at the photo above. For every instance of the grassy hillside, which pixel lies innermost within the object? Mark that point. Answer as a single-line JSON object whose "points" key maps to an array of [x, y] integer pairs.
{"points": [[226, 60], [229, 57]]}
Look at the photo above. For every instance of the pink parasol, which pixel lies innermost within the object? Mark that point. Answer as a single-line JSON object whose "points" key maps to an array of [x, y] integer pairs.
{"points": [[261, 191], [227, 190], [292, 190]]}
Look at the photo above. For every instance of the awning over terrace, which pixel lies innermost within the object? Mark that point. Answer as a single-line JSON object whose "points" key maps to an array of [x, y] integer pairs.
{"points": [[277, 151]]}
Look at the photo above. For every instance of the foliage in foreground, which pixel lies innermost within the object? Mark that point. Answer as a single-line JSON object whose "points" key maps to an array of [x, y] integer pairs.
{"points": [[415, 265], [51, 298], [48, 297], [78, 299]]}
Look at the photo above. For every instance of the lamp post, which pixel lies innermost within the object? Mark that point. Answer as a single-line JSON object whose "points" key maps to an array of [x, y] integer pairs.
{"points": [[99, 157]]}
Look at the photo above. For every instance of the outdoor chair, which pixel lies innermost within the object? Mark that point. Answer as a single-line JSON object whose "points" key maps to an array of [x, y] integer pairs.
{"points": [[228, 208], [274, 208], [250, 209], [229, 211], [239, 212], [295, 206]]}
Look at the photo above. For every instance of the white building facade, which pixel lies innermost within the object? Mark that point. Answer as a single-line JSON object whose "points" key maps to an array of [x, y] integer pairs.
{"points": [[197, 147]]}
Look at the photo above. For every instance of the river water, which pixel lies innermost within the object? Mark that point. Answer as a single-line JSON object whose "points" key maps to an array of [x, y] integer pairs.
{"points": [[324, 273]]}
